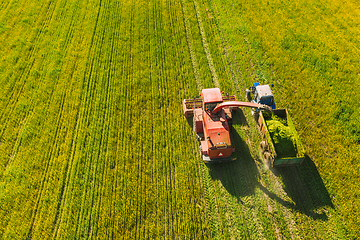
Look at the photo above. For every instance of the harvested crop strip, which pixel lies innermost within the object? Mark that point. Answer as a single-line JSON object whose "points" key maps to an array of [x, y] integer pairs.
{"points": [[283, 136]]}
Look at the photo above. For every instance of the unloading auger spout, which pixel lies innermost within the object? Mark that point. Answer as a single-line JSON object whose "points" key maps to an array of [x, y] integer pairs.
{"points": [[241, 104]]}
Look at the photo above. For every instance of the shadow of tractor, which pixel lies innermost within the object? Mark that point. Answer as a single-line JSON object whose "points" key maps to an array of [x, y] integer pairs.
{"points": [[303, 184], [305, 187]]}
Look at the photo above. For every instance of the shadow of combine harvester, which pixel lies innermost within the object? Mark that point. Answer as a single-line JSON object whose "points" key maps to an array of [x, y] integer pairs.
{"points": [[239, 177]]}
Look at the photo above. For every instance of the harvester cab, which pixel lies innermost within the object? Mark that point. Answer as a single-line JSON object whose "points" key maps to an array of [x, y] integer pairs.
{"points": [[212, 117], [260, 94], [211, 98]]}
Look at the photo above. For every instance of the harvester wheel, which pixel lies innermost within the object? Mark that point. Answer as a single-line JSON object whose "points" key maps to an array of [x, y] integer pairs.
{"points": [[198, 137], [263, 146], [248, 95]]}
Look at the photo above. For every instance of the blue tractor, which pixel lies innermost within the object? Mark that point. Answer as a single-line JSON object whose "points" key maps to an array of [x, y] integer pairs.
{"points": [[260, 94]]}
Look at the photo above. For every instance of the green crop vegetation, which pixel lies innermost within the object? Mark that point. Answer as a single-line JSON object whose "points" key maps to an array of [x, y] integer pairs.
{"points": [[93, 143], [283, 136]]}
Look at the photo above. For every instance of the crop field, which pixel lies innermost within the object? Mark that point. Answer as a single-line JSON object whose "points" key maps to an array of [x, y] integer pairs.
{"points": [[94, 145]]}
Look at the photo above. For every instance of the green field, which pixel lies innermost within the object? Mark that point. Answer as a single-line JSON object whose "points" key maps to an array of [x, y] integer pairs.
{"points": [[93, 142]]}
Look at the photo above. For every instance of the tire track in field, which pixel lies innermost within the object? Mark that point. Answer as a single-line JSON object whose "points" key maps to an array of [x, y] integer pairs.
{"points": [[227, 49], [225, 46], [190, 46], [205, 46], [195, 214], [95, 196], [198, 78], [230, 62], [71, 151], [176, 220], [147, 167], [46, 171], [50, 153], [215, 82], [160, 225], [169, 158], [153, 34], [287, 213], [229, 53], [141, 138]]}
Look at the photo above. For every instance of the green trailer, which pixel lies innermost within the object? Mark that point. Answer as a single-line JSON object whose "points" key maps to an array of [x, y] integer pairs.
{"points": [[281, 145]]}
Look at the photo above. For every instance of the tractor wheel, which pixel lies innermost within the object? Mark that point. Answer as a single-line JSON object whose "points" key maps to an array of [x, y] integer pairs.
{"points": [[268, 159], [263, 146], [248, 95]]}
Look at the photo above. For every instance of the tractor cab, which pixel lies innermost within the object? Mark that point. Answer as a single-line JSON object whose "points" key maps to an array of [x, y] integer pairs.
{"points": [[261, 94]]}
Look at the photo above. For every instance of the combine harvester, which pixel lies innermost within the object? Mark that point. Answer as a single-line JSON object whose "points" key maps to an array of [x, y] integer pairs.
{"points": [[281, 145], [212, 118]]}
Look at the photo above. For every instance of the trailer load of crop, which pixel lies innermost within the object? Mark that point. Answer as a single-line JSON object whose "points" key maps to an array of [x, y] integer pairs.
{"points": [[281, 145], [283, 136]]}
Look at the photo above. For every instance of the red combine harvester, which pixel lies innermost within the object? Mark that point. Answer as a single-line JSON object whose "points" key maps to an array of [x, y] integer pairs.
{"points": [[212, 122]]}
